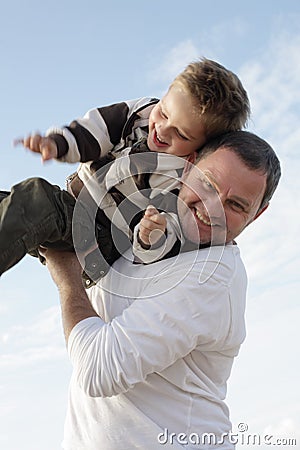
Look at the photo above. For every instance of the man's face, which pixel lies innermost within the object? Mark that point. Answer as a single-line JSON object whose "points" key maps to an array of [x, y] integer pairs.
{"points": [[175, 127], [219, 197]]}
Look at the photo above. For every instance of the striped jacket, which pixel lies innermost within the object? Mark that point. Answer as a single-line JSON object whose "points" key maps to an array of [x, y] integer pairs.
{"points": [[121, 174]]}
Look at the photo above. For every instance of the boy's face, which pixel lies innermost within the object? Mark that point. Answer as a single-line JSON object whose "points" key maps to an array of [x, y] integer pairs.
{"points": [[174, 125]]}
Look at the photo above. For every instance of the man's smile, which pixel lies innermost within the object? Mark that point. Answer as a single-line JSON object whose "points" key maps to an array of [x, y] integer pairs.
{"points": [[202, 219]]}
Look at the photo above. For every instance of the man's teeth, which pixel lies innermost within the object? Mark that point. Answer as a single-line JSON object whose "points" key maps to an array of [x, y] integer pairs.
{"points": [[200, 217]]}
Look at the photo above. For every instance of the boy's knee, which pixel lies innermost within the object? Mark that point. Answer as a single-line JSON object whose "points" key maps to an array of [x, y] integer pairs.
{"points": [[37, 200], [36, 186]]}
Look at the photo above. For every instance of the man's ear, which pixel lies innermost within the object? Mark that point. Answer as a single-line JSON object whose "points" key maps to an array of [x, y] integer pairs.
{"points": [[260, 212]]}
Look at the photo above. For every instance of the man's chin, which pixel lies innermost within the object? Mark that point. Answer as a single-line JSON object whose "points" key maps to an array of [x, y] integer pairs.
{"points": [[193, 244]]}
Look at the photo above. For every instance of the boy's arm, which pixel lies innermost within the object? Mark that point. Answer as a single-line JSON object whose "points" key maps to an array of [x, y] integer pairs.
{"points": [[84, 139], [88, 138], [152, 227], [93, 136], [154, 236]]}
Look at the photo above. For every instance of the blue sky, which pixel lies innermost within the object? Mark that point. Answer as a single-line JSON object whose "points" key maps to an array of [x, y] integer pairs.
{"points": [[59, 59]]}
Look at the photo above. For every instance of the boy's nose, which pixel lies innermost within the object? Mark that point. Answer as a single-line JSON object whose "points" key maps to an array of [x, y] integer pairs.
{"points": [[164, 128]]}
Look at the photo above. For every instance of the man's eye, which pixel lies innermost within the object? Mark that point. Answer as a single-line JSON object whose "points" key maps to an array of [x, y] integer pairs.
{"points": [[207, 184], [237, 206]]}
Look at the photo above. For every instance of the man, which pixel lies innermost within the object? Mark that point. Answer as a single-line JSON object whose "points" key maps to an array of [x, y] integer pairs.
{"points": [[153, 346]]}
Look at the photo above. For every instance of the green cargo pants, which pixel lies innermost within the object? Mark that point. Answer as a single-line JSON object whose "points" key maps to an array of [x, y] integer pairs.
{"points": [[35, 213]]}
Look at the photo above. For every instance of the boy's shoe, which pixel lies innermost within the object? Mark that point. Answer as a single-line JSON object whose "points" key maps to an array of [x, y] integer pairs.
{"points": [[3, 194]]}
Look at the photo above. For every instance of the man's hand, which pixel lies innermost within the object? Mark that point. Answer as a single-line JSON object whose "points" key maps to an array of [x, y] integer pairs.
{"points": [[46, 146], [152, 226]]}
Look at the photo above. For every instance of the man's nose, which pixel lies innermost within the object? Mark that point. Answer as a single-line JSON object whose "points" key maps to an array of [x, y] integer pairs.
{"points": [[214, 207]]}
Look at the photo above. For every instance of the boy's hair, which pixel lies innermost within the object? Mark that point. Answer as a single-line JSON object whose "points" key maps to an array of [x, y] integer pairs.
{"points": [[254, 152], [219, 96]]}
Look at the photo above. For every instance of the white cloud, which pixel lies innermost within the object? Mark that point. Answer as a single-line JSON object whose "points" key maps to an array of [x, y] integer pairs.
{"points": [[263, 389], [40, 340], [273, 84], [269, 245], [285, 428], [174, 62], [264, 383]]}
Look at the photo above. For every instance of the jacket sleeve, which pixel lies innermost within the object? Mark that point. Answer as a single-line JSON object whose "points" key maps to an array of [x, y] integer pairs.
{"points": [[88, 138], [95, 134]]}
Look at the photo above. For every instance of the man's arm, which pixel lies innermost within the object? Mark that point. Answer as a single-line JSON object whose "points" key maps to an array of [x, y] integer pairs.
{"points": [[150, 333], [66, 272]]}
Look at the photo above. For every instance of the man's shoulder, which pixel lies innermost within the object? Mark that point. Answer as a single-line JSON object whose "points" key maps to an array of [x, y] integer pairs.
{"points": [[215, 263], [223, 253]]}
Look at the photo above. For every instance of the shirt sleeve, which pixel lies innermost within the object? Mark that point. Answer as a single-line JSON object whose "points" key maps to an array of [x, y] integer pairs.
{"points": [[151, 334]]}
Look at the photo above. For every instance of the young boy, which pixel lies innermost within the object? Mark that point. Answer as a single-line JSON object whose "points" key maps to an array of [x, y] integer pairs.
{"points": [[204, 100]]}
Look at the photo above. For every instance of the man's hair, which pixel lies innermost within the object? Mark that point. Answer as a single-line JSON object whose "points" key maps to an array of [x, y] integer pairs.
{"points": [[254, 152], [219, 96]]}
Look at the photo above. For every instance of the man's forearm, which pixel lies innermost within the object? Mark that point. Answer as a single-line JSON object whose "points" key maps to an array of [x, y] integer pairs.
{"points": [[66, 272], [75, 307]]}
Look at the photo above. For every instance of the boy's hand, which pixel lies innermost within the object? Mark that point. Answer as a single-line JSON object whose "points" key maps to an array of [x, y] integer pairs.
{"points": [[152, 227], [39, 144]]}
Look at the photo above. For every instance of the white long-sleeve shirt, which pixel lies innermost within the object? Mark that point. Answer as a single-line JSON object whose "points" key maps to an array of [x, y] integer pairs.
{"points": [[158, 359]]}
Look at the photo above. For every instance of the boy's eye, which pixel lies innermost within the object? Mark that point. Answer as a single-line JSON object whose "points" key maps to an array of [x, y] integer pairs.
{"points": [[163, 114], [182, 136]]}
